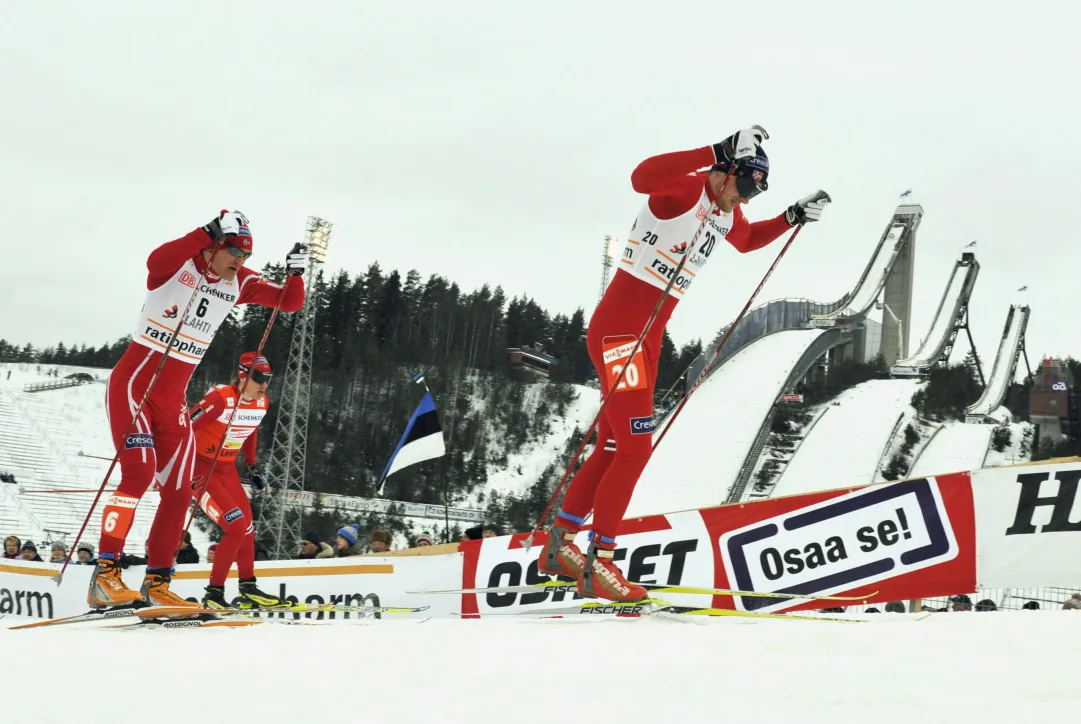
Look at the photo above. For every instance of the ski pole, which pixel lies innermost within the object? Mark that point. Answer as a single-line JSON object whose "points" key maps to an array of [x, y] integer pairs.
{"points": [[138, 410], [528, 543], [705, 370], [232, 416]]}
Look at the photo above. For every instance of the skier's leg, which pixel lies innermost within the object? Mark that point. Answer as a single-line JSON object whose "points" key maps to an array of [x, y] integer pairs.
{"points": [[137, 458], [176, 459]]}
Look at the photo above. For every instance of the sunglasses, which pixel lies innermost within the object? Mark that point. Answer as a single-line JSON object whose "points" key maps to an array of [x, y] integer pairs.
{"points": [[260, 378], [238, 252], [748, 188]]}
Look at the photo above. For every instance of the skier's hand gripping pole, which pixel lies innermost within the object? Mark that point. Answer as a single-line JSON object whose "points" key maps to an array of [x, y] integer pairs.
{"points": [[619, 379]]}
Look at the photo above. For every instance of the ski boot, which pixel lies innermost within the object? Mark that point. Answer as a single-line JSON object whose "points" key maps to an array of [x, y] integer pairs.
{"points": [[252, 597], [601, 579], [215, 597], [107, 587], [155, 590], [560, 556]]}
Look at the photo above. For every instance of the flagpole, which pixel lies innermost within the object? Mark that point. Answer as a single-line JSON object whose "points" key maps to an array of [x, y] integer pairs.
{"points": [[446, 501]]}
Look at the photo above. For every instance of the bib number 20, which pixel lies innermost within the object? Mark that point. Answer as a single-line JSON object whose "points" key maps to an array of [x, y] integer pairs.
{"points": [[617, 361]]}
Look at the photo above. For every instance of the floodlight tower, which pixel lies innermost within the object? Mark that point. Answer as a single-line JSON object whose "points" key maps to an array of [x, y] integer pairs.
{"points": [[288, 453], [611, 252]]}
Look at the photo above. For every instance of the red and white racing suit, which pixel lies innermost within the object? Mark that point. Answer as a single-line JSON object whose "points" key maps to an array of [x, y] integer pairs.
{"points": [[160, 446], [679, 198], [222, 495]]}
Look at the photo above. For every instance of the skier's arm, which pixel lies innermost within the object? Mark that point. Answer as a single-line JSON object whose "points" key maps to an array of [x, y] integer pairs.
{"points": [[256, 290], [746, 236], [209, 408], [170, 256], [667, 173], [249, 448]]}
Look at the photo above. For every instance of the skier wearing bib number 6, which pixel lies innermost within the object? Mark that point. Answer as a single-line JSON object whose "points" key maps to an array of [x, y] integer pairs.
{"points": [[192, 284], [684, 201]]}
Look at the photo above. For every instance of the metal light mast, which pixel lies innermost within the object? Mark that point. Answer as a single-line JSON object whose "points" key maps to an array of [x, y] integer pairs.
{"points": [[288, 452], [611, 250]]}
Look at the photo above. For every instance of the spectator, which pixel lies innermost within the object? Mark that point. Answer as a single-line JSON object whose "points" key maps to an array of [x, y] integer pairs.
{"points": [[58, 553], [1031, 606], [872, 609], [961, 603], [30, 552], [1073, 603], [311, 546], [187, 553], [12, 546], [492, 531], [895, 607], [347, 542], [210, 552], [986, 605], [424, 539], [127, 560], [379, 541], [84, 554]]}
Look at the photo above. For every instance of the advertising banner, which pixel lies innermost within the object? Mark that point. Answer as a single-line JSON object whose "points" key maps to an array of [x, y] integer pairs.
{"points": [[1028, 526]]}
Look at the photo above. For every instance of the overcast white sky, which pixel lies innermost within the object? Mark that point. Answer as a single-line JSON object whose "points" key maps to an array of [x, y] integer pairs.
{"points": [[493, 142]]}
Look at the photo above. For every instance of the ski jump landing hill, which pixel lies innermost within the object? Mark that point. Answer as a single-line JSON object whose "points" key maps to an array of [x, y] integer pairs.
{"points": [[957, 446], [773, 347]]}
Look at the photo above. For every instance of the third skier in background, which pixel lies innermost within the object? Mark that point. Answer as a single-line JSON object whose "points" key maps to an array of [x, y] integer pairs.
{"points": [[683, 199], [221, 495]]}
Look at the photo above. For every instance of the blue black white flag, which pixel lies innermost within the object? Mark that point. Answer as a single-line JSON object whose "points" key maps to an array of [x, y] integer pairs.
{"points": [[422, 439], [906, 194]]}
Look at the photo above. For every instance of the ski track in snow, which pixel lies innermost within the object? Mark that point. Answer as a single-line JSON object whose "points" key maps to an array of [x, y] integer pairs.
{"points": [[1016, 666]]}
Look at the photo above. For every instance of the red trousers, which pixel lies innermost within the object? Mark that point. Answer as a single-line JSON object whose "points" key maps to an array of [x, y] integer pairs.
{"points": [[605, 482], [224, 501], [159, 447]]}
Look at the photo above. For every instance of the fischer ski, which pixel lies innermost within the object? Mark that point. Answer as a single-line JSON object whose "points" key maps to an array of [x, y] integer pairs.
{"points": [[558, 586], [646, 607]]}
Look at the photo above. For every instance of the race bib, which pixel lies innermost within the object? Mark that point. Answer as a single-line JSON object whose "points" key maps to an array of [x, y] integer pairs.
{"points": [[617, 351]]}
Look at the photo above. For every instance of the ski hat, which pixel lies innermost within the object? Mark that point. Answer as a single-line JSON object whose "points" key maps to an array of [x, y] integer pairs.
{"points": [[426, 537], [751, 174], [248, 362], [311, 537], [243, 238], [349, 533], [29, 546], [380, 535], [88, 547]]}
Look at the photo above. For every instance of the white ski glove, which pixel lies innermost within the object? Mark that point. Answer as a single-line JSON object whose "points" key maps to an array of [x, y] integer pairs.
{"points": [[740, 145], [807, 209], [227, 225], [298, 260]]}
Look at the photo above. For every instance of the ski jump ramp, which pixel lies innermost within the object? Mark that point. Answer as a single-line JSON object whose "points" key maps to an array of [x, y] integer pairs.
{"points": [[710, 454], [950, 317], [1002, 374]]}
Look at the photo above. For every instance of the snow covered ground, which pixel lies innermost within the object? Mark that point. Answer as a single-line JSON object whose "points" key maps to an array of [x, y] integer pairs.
{"points": [[954, 448], [949, 667], [700, 458], [846, 446]]}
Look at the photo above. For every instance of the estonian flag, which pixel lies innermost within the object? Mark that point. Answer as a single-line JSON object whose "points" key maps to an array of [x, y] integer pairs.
{"points": [[906, 194], [422, 439]]}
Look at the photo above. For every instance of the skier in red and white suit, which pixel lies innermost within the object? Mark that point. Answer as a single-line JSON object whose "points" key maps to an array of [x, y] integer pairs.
{"points": [[680, 196], [160, 446], [221, 495]]}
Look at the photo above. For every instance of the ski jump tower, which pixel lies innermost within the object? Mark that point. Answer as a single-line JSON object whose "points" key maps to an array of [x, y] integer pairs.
{"points": [[281, 517]]}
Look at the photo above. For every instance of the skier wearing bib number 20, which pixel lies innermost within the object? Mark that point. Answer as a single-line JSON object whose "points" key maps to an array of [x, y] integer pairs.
{"points": [[681, 197], [209, 264]]}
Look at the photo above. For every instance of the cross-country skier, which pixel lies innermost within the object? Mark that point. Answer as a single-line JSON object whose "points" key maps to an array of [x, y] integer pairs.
{"points": [[223, 498], [161, 446], [680, 197]]}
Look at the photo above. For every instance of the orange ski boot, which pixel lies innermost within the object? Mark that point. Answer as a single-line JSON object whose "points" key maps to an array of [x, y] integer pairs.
{"points": [[601, 579], [156, 590], [560, 556], [107, 587]]}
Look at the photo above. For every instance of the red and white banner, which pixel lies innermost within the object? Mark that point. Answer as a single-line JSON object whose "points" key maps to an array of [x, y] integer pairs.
{"points": [[889, 542]]}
